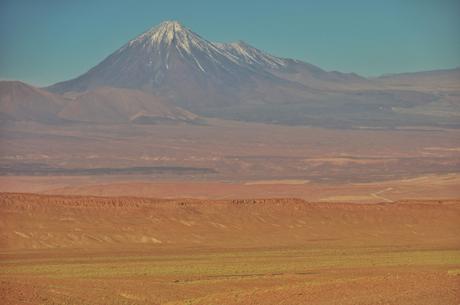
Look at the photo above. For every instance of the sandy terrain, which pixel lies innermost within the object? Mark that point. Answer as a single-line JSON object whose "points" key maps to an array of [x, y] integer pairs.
{"points": [[128, 250], [376, 222]]}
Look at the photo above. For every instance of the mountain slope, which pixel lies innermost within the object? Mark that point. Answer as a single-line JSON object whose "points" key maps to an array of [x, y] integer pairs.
{"points": [[168, 60], [105, 105], [115, 105], [171, 60], [445, 80], [293, 70], [248, 55], [19, 101], [240, 82]]}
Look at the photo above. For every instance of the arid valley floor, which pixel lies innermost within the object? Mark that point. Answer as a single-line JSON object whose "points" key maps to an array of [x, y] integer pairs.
{"points": [[376, 220], [175, 214], [126, 250], [227, 159]]}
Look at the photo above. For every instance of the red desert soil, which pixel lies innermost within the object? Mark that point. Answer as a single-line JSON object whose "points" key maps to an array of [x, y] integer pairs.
{"points": [[426, 187], [128, 250]]}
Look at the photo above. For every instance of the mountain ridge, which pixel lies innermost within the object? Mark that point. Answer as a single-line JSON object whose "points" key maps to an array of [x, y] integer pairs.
{"points": [[104, 105], [240, 82], [157, 49]]}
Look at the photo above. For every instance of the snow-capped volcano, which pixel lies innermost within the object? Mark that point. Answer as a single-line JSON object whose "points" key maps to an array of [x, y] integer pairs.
{"points": [[170, 37], [167, 33], [238, 81], [173, 35], [173, 61]]}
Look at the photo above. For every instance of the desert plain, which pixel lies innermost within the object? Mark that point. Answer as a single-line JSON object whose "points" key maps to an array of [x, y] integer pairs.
{"points": [[229, 213], [126, 250]]}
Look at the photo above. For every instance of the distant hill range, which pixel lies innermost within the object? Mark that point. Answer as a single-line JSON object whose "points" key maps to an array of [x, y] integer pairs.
{"points": [[22, 102], [171, 74]]}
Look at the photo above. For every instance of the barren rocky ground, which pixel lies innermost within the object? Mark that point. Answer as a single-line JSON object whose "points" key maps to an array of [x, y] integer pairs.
{"points": [[129, 250]]}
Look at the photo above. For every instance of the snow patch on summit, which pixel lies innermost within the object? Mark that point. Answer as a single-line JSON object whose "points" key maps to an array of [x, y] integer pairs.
{"points": [[173, 35], [253, 56]]}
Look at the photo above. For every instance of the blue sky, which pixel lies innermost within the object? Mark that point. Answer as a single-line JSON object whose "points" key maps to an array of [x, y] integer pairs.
{"points": [[42, 42]]}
